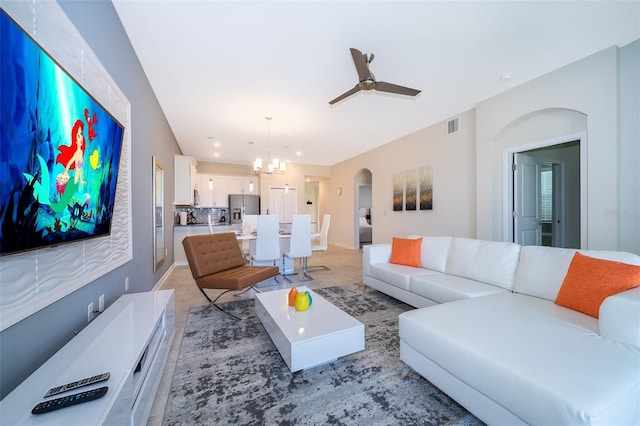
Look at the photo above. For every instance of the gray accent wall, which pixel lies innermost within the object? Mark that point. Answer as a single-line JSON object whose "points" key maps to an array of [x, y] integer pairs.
{"points": [[27, 344]]}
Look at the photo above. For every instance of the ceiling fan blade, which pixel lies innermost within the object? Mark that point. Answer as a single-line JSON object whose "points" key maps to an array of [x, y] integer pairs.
{"points": [[361, 65], [345, 95], [383, 86]]}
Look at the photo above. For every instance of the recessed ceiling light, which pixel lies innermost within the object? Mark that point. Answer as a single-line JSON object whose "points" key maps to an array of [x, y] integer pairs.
{"points": [[216, 144], [505, 76], [215, 154], [299, 153]]}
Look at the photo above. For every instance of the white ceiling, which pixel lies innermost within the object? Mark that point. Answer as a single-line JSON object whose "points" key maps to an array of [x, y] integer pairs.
{"points": [[219, 67]]}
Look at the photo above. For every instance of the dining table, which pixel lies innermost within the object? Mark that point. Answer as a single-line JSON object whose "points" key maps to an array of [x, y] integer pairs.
{"points": [[287, 265]]}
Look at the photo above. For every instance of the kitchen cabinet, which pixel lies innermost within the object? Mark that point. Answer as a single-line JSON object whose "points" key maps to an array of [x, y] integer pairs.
{"points": [[244, 185], [220, 192], [213, 190], [185, 178]]}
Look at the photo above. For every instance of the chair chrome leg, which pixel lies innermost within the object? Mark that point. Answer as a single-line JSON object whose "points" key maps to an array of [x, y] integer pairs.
{"points": [[243, 291], [314, 268], [303, 271], [305, 268], [213, 302]]}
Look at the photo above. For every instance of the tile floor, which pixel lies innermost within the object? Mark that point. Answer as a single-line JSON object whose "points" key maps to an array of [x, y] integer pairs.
{"points": [[345, 268]]}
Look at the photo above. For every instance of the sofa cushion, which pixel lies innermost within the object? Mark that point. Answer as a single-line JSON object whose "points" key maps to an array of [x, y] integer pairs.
{"points": [[491, 262], [542, 361], [443, 288], [590, 280], [406, 251], [541, 270], [434, 252], [396, 275], [620, 317]]}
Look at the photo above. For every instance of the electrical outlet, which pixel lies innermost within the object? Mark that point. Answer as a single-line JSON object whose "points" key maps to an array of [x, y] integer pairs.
{"points": [[126, 284], [101, 303], [90, 312]]}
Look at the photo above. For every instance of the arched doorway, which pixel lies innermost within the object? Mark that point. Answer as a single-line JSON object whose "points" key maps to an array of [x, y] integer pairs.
{"points": [[554, 138], [363, 200]]}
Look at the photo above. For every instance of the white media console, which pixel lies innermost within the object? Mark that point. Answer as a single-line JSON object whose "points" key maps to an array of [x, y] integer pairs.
{"points": [[131, 340]]}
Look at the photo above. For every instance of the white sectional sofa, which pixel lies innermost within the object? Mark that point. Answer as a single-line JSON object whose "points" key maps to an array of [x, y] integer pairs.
{"points": [[490, 335]]}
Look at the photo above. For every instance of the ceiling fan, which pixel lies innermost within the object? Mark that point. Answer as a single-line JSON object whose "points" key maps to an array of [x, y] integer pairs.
{"points": [[367, 81]]}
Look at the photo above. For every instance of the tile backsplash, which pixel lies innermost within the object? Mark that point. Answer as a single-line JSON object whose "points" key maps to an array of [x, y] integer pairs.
{"points": [[198, 215]]}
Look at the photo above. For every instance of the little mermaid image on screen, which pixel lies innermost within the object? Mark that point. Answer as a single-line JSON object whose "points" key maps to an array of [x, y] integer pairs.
{"points": [[59, 151]]}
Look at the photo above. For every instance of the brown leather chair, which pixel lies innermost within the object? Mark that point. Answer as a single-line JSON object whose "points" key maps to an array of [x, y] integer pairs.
{"points": [[216, 262]]}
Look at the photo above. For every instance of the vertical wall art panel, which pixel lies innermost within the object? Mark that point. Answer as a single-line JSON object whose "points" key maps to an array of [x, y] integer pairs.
{"points": [[32, 280], [398, 192], [425, 182], [410, 190]]}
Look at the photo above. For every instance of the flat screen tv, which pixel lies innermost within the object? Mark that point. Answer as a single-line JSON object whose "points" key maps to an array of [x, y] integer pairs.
{"points": [[59, 150]]}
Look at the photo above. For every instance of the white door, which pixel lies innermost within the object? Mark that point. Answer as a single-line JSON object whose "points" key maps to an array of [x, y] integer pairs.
{"points": [[276, 202], [290, 205], [283, 203], [527, 195]]}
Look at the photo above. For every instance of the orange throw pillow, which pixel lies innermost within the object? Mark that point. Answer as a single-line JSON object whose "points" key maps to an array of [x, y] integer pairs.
{"points": [[589, 281], [406, 251]]}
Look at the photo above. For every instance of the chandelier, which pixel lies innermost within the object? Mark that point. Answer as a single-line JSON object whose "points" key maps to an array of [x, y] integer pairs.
{"points": [[274, 166]]}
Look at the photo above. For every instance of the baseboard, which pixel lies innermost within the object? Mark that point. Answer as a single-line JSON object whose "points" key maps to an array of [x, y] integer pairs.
{"points": [[164, 277]]}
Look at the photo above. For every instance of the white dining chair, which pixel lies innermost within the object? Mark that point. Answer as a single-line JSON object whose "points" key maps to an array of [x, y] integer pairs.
{"points": [[300, 245], [267, 240], [323, 243], [249, 223], [249, 226]]}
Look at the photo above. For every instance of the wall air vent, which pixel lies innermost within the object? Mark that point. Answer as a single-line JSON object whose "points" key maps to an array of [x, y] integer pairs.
{"points": [[453, 125]]}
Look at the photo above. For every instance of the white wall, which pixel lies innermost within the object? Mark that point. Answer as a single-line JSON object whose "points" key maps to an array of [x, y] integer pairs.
{"points": [[587, 86], [454, 204], [598, 95]]}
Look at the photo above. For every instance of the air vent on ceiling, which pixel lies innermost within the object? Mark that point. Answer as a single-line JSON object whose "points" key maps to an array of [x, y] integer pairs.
{"points": [[453, 125]]}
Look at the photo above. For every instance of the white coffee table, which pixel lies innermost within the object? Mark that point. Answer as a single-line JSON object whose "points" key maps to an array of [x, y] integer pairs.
{"points": [[306, 339]]}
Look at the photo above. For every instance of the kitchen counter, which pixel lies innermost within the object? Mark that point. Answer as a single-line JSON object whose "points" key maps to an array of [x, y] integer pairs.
{"points": [[181, 231]]}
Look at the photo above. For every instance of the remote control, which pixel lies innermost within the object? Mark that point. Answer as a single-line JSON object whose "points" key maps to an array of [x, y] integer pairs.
{"points": [[78, 384], [69, 400]]}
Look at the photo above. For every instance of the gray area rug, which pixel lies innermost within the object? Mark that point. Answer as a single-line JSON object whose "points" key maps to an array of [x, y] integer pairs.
{"points": [[229, 372]]}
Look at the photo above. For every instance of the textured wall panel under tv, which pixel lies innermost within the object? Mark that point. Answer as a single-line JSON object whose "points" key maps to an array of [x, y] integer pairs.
{"points": [[32, 280]]}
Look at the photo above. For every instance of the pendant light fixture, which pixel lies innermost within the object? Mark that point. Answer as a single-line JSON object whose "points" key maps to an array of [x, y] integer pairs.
{"points": [[273, 166]]}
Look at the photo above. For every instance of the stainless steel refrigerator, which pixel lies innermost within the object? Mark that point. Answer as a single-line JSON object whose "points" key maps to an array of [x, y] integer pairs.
{"points": [[241, 204]]}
